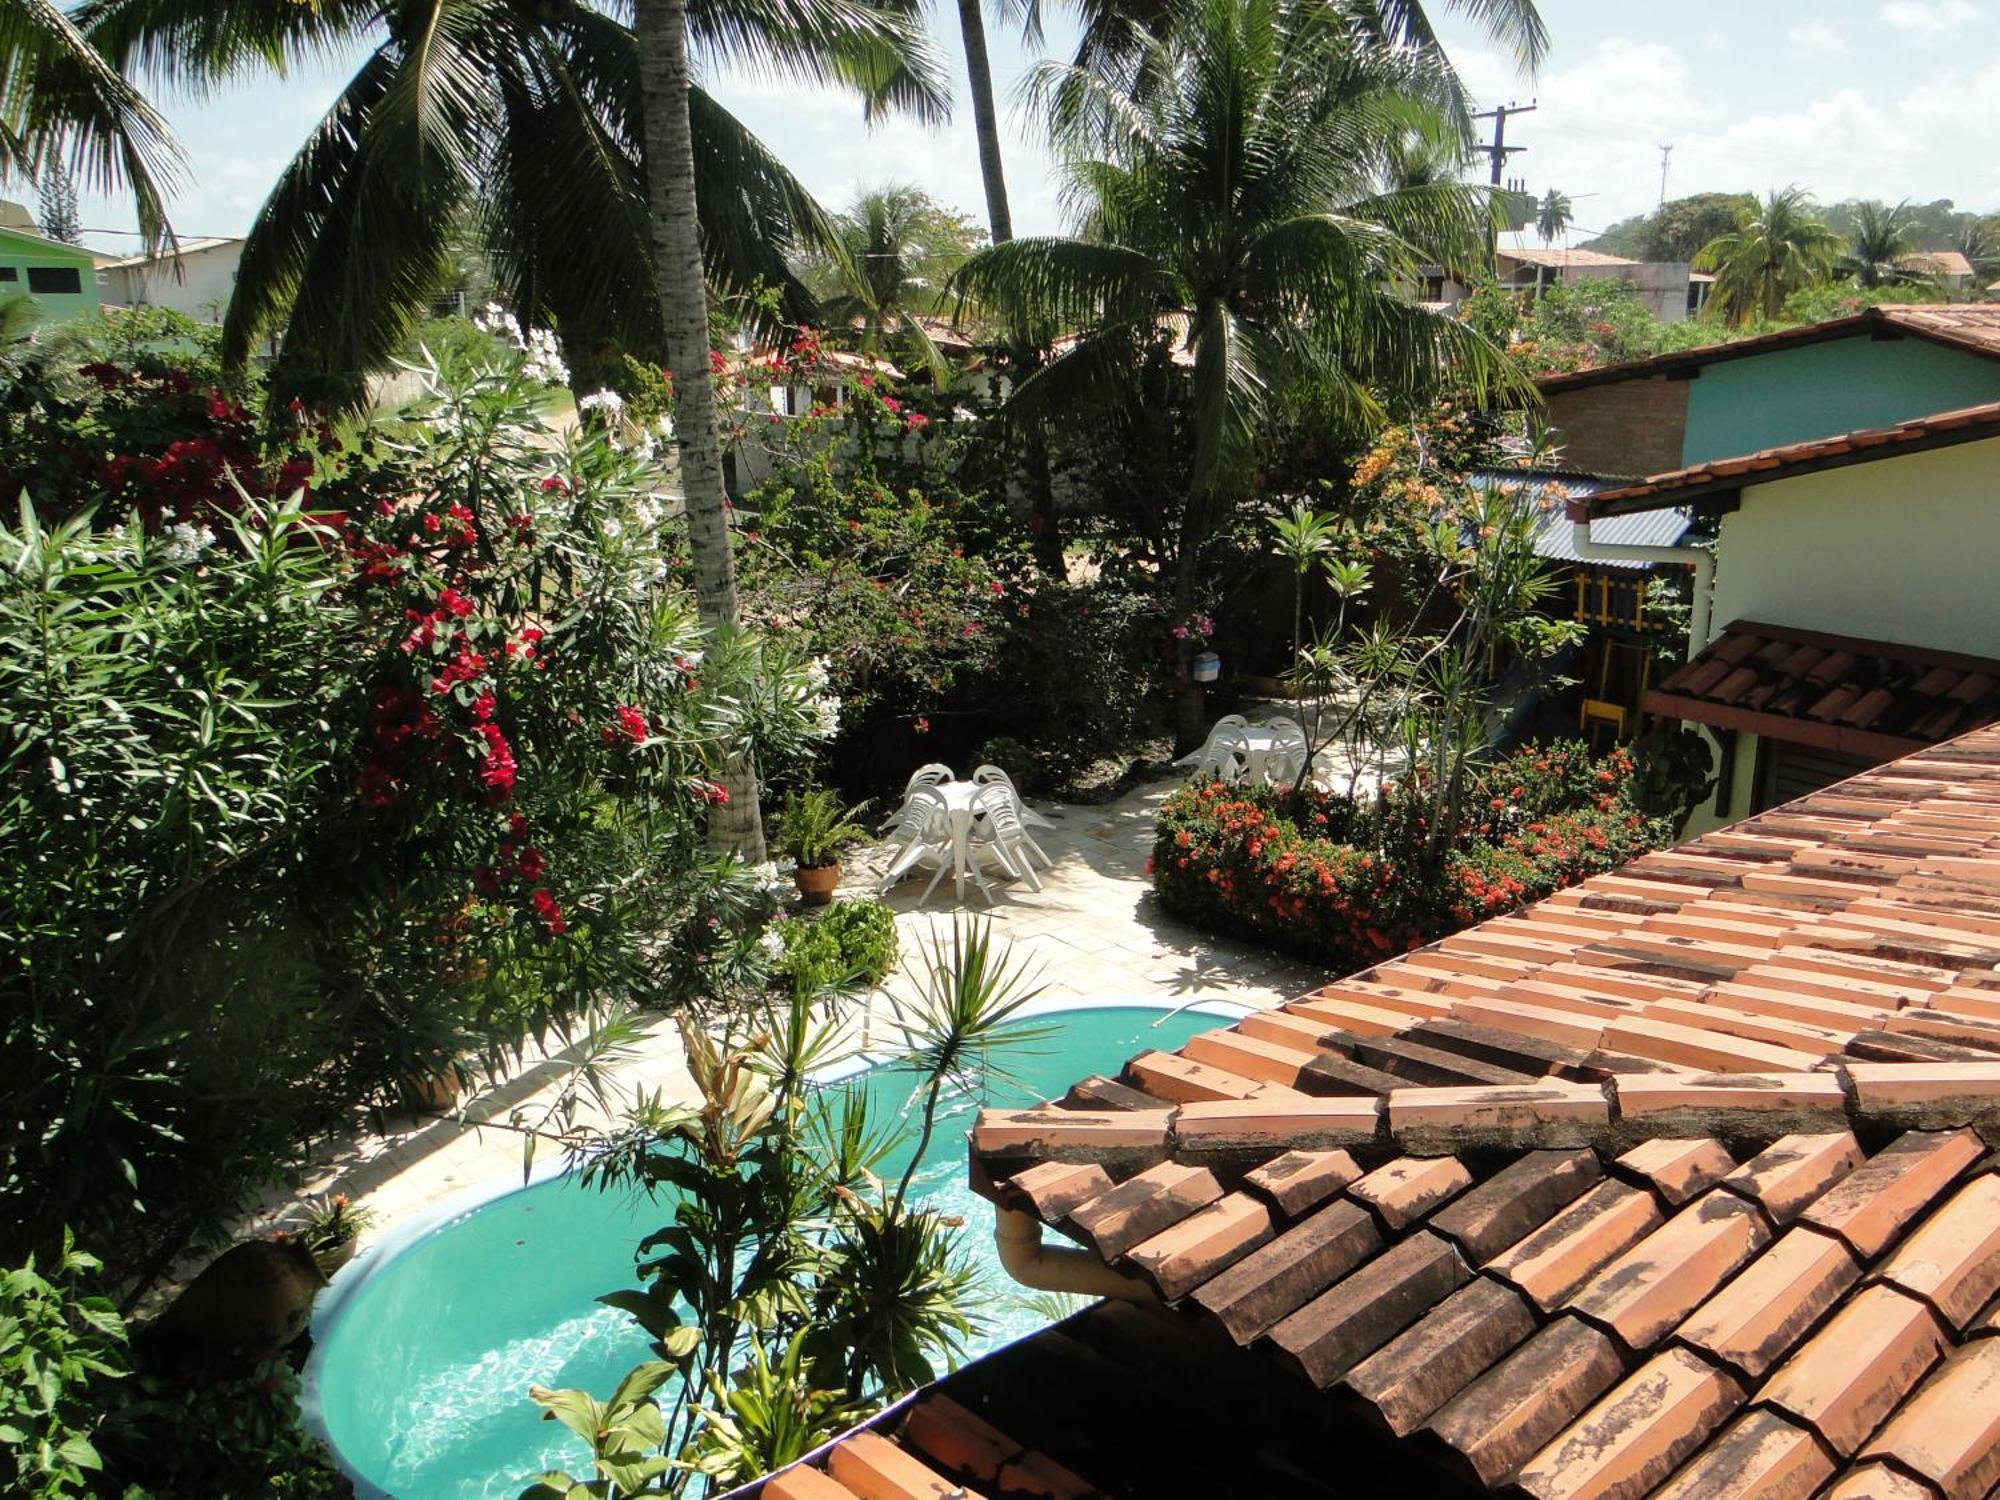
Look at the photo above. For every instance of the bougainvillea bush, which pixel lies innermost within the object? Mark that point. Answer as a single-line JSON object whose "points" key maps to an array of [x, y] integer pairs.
{"points": [[1351, 883], [314, 795]]}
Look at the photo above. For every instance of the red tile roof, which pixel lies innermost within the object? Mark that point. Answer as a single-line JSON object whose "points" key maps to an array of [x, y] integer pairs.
{"points": [[1974, 327], [1836, 693], [1672, 1183], [1678, 487]]}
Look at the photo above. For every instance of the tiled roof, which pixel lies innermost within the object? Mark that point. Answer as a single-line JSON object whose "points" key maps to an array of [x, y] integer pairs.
{"points": [[1970, 326], [1679, 1182], [1833, 692], [1562, 258], [1936, 262], [1678, 487]]}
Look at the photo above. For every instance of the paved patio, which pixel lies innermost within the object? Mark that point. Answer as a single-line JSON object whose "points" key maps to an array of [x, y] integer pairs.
{"points": [[1093, 935]]}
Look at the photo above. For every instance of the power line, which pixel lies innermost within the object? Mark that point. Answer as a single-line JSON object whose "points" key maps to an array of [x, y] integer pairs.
{"points": [[1497, 153]]}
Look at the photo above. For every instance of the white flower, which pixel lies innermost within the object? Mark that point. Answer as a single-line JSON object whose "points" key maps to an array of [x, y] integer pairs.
{"points": [[772, 944], [667, 428], [609, 402], [496, 320], [543, 359], [817, 676], [613, 527], [826, 715], [184, 543], [648, 512], [645, 449]]}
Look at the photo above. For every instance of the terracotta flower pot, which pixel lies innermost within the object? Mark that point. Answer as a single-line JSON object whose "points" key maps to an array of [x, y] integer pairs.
{"points": [[435, 1095], [817, 883], [332, 1257]]}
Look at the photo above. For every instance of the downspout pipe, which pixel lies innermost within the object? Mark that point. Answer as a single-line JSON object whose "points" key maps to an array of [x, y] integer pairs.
{"points": [[1017, 1235], [1702, 558]]}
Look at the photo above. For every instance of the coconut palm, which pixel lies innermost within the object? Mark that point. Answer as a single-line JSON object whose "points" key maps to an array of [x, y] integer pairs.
{"points": [[527, 116], [1553, 216], [1877, 243], [900, 251], [1776, 248], [1229, 187], [66, 108]]}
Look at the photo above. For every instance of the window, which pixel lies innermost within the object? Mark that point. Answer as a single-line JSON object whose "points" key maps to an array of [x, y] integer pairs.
{"points": [[10, 273], [54, 279]]}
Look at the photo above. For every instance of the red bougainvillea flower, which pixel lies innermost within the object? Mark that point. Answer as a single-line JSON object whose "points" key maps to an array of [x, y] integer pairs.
{"points": [[496, 766]]}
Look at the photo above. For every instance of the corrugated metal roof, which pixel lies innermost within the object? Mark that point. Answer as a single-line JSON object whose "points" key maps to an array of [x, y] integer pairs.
{"points": [[1553, 539], [1649, 528]]}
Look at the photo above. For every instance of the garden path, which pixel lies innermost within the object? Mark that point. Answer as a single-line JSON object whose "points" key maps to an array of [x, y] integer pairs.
{"points": [[1093, 935]]}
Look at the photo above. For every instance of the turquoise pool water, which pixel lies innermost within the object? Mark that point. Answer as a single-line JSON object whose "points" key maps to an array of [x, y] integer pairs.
{"points": [[423, 1359]]}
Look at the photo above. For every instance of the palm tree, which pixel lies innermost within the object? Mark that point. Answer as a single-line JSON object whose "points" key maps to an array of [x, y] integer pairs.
{"points": [[898, 259], [1229, 186], [1877, 243], [1554, 216], [66, 108], [526, 117], [1776, 248], [666, 83], [1978, 240]]}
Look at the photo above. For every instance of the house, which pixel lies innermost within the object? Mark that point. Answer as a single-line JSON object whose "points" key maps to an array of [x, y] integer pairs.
{"points": [[1852, 588], [195, 277], [1664, 286], [1678, 1183], [1948, 268], [1884, 365], [60, 278]]}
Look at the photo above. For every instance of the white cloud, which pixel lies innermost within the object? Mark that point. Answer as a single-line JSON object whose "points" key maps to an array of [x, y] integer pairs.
{"points": [[1928, 17], [1817, 37]]}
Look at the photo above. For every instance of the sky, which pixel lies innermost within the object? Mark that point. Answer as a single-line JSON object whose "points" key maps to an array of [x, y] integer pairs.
{"points": [[1849, 98]]}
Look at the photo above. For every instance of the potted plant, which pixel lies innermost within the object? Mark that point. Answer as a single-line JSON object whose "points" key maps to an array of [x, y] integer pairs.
{"points": [[332, 1231], [812, 829]]}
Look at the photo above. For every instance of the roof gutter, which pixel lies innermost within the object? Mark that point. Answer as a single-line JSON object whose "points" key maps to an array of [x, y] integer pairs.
{"points": [[1017, 1235], [1702, 559]]}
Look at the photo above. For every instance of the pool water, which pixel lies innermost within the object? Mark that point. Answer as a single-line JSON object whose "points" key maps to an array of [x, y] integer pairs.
{"points": [[423, 1360]]}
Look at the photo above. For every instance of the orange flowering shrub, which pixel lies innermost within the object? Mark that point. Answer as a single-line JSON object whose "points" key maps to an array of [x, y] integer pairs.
{"points": [[1353, 883]]}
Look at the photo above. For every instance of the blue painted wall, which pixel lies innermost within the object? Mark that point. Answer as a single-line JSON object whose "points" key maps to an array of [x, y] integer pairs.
{"points": [[1816, 390]]}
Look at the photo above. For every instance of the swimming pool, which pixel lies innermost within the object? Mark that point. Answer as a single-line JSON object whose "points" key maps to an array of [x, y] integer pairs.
{"points": [[425, 1346]]}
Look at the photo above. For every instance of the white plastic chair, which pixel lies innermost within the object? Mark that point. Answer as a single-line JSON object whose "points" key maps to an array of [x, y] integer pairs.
{"points": [[931, 775], [997, 828], [923, 836], [1226, 755], [1289, 752], [987, 776], [991, 775]]}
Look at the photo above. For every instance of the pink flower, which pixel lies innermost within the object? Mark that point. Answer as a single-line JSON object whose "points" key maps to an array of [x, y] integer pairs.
{"points": [[1180, 632], [917, 421]]}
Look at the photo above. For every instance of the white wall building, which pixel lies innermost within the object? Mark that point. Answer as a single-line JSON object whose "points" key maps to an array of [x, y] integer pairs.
{"points": [[197, 278]]}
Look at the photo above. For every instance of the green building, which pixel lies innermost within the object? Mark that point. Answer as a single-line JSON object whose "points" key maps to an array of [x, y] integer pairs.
{"points": [[62, 279]]}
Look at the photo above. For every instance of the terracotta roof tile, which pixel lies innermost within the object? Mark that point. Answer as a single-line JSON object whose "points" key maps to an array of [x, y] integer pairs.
{"points": [[1950, 1430], [1365, 1309], [1677, 1170], [1886, 699], [1952, 1260], [1638, 1433], [1180, 1258], [1759, 1456], [1794, 1170], [1515, 1201], [1870, 1206], [876, 1469], [1142, 1206], [1275, 1281], [1649, 1289], [1299, 1179], [1878, 1482], [1856, 1369], [1408, 1188], [1553, 1261], [1419, 1370], [1502, 1419], [1767, 1309]]}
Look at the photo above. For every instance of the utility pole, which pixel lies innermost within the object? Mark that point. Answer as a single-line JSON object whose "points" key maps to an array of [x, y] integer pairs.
{"points": [[1496, 155], [1666, 154]]}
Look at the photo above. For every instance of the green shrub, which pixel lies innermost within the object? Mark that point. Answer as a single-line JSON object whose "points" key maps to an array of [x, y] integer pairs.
{"points": [[850, 943], [812, 828], [61, 1347]]}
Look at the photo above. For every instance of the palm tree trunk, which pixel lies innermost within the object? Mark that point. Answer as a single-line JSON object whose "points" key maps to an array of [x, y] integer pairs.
{"points": [[985, 119], [660, 29]]}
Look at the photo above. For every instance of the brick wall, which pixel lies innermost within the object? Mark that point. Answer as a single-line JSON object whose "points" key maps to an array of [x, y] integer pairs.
{"points": [[1626, 427]]}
